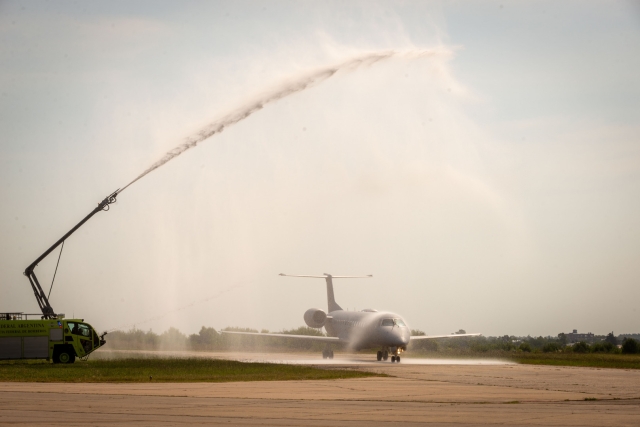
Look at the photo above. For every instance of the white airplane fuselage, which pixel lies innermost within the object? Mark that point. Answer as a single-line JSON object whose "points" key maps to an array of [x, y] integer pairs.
{"points": [[368, 329]]}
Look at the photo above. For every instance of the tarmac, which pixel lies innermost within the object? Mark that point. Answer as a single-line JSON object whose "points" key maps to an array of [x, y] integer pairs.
{"points": [[419, 392]]}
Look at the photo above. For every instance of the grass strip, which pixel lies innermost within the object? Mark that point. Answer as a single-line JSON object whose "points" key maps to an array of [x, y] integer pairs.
{"points": [[593, 360], [166, 370]]}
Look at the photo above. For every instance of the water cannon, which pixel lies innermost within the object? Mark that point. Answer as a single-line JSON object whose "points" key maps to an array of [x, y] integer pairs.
{"points": [[41, 297]]}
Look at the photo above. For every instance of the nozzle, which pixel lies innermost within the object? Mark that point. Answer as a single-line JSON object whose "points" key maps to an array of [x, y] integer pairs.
{"points": [[111, 198]]}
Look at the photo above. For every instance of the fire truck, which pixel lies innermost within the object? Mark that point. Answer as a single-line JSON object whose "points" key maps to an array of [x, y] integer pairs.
{"points": [[51, 336], [58, 339]]}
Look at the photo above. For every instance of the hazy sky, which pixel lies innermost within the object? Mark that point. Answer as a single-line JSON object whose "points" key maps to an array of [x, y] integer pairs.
{"points": [[493, 186]]}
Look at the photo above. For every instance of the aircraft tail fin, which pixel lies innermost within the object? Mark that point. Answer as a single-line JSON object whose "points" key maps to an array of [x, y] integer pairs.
{"points": [[331, 301]]}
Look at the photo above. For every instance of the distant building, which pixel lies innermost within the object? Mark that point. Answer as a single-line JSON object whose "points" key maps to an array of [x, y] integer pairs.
{"points": [[574, 337]]}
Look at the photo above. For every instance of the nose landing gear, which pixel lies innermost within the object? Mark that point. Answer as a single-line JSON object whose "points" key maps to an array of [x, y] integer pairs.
{"points": [[395, 354]]}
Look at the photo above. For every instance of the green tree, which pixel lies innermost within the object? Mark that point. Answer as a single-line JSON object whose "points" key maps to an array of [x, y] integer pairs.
{"points": [[601, 347], [562, 338], [172, 338], [630, 346], [207, 338], [525, 347], [611, 339], [134, 339], [581, 347], [550, 347], [429, 345]]}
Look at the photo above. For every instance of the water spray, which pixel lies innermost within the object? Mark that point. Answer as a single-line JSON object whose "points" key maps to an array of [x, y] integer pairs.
{"points": [[292, 85], [181, 308]]}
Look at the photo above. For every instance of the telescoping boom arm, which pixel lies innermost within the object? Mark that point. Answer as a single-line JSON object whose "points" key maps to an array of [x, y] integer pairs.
{"points": [[41, 297]]}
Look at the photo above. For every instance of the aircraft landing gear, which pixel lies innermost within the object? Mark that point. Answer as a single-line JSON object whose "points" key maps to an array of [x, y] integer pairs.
{"points": [[327, 353], [382, 355], [395, 354]]}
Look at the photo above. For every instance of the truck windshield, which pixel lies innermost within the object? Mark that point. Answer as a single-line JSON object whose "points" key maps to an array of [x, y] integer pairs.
{"points": [[80, 329]]}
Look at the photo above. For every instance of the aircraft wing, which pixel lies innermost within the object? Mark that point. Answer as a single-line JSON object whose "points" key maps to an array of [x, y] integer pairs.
{"points": [[430, 337], [303, 337]]}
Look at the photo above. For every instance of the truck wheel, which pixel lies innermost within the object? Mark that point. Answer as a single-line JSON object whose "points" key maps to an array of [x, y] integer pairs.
{"points": [[64, 355]]}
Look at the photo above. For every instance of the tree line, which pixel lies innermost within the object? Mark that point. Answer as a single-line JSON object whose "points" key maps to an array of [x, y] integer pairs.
{"points": [[209, 339], [507, 343]]}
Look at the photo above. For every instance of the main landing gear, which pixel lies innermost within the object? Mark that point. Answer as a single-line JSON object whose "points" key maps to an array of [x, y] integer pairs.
{"points": [[327, 353], [384, 354]]}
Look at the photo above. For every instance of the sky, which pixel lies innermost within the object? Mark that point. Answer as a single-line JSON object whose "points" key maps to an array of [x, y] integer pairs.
{"points": [[492, 185]]}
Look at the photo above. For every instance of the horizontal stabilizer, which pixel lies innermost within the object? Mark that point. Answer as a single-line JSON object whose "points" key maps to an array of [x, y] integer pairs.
{"points": [[331, 301], [431, 337], [368, 276], [304, 337]]}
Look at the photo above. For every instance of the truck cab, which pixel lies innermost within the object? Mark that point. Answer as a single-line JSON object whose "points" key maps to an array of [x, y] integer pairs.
{"points": [[81, 336]]}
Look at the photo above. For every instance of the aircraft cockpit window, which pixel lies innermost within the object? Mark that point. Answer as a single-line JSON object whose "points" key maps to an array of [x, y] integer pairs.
{"points": [[399, 322], [387, 322]]}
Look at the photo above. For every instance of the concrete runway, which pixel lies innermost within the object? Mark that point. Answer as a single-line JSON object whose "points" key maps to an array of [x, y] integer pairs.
{"points": [[418, 394]]}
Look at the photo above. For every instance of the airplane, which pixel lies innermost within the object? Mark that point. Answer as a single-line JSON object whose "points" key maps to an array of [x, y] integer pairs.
{"points": [[366, 329]]}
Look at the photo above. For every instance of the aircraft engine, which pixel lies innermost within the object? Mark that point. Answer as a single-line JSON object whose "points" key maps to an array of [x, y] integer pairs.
{"points": [[315, 318]]}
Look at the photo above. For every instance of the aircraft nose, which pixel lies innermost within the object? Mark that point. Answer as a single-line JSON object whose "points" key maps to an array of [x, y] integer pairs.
{"points": [[402, 336], [406, 336]]}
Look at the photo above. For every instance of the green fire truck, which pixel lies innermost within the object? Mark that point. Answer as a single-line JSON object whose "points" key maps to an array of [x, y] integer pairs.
{"points": [[50, 337], [60, 340]]}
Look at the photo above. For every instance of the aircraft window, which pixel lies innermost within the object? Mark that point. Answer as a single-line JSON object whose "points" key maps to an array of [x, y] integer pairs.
{"points": [[387, 322], [399, 322]]}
